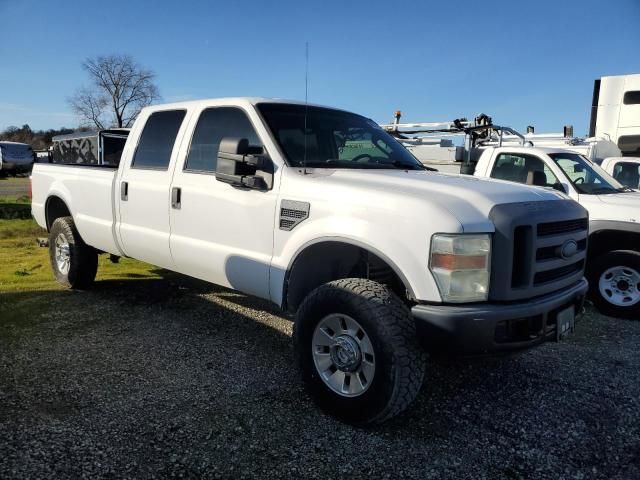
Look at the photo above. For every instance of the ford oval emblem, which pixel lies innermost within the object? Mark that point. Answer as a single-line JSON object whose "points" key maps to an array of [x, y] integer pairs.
{"points": [[568, 249]]}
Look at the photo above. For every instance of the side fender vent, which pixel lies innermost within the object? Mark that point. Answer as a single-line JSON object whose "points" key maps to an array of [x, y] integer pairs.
{"points": [[292, 213]]}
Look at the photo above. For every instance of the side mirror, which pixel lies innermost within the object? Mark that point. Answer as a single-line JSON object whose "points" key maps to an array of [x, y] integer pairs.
{"points": [[560, 187], [238, 163]]}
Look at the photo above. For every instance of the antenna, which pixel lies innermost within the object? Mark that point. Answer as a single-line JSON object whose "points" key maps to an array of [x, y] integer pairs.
{"points": [[306, 104]]}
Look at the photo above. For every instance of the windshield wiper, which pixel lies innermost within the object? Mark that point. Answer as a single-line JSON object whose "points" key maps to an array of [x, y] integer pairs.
{"points": [[337, 163], [604, 190]]}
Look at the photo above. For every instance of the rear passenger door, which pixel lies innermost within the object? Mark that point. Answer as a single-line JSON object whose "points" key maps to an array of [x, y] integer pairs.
{"points": [[143, 188], [220, 233]]}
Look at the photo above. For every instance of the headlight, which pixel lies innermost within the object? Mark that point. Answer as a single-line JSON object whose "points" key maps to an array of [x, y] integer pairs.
{"points": [[460, 265]]}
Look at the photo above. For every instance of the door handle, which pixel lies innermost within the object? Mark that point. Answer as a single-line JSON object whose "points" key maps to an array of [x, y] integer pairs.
{"points": [[124, 191], [176, 198]]}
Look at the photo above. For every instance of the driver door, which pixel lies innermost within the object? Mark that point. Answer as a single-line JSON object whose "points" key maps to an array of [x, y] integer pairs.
{"points": [[220, 233]]}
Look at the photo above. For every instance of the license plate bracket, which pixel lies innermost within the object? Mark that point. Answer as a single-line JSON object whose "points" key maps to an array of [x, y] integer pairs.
{"points": [[565, 323]]}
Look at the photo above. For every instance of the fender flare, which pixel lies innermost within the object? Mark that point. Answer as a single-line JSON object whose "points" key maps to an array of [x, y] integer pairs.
{"points": [[348, 241]]}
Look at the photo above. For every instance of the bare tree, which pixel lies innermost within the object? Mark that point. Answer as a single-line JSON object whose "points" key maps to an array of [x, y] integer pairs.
{"points": [[120, 89]]}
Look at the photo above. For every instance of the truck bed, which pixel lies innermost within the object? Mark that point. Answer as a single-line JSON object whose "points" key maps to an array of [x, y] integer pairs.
{"points": [[88, 191]]}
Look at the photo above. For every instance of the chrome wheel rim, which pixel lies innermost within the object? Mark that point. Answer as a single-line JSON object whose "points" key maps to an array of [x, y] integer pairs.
{"points": [[620, 286], [343, 355], [62, 254]]}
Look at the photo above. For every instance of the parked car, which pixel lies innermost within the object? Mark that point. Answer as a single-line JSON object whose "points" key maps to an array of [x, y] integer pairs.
{"points": [[15, 158], [613, 259], [325, 214]]}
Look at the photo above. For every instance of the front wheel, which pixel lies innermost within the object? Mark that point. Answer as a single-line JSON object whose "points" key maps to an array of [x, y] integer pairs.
{"points": [[74, 263], [614, 283], [357, 349]]}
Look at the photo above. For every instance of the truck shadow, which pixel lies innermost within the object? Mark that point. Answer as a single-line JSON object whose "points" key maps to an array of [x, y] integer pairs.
{"points": [[180, 349]]}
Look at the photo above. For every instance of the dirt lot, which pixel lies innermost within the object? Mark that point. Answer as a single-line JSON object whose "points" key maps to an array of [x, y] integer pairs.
{"points": [[167, 377]]}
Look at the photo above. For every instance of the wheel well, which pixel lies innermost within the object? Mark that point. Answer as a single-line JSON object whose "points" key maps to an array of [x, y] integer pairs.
{"points": [[54, 209], [332, 260], [604, 241]]}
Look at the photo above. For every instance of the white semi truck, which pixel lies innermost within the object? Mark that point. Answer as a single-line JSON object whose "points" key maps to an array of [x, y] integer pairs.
{"points": [[325, 214]]}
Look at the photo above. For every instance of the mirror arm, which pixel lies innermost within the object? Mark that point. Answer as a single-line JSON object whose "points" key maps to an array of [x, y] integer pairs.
{"points": [[248, 181]]}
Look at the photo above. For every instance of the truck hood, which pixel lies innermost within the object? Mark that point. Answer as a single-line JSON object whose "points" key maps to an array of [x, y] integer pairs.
{"points": [[623, 207], [469, 199], [631, 199]]}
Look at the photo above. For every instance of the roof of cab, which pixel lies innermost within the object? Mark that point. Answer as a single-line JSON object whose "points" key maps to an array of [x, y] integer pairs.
{"points": [[224, 101], [533, 149]]}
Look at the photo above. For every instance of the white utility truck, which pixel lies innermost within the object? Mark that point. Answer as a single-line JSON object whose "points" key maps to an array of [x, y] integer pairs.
{"points": [[569, 165], [613, 260], [325, 214]]}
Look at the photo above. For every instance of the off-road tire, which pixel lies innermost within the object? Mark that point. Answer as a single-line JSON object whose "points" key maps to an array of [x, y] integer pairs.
{"points": [[596, 269], [83, 263], [400, 362]]}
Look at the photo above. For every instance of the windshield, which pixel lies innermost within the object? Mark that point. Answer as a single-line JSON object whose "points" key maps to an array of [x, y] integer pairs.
{"points": [[587, 177], [333, 139]]}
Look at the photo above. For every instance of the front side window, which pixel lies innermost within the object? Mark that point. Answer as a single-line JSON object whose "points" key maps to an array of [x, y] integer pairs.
{"points": [[157, 139], [324, 138], [627, 173], [526, 169], [213, 125], [587, 178]]}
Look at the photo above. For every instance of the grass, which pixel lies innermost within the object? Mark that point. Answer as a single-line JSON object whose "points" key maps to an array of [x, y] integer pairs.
{"points": [[24, 266], [15, 199], [15, 207], [18, 180]]}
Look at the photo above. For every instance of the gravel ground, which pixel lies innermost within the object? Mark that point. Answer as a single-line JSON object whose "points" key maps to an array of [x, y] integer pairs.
{"points": [[157, 379]]}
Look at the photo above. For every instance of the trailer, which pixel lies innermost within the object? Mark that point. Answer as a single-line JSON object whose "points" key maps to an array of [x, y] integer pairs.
{"points": [[99, 148]]}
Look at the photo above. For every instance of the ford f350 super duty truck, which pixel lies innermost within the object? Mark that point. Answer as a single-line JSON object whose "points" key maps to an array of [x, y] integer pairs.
{"points": [[325, 214]]}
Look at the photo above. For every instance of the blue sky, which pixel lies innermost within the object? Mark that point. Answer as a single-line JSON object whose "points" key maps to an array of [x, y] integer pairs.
{"points": [[521, 62]]}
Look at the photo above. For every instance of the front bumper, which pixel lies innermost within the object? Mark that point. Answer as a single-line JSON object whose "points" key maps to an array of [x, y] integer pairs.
{"points": [[494, 327]]}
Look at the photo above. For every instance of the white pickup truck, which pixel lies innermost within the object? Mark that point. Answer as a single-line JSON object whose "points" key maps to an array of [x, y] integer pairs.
{"points": [[613, 260], [325, 214]]}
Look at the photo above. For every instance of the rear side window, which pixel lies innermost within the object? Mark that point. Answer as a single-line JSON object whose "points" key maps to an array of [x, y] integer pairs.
{"points": [[213, 125], [523, 169], [157, 139], [632, 98]]}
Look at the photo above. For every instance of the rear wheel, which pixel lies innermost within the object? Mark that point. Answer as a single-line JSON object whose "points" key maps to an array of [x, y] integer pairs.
{"points": [[74, 263], [614, 283], [357, 349]]}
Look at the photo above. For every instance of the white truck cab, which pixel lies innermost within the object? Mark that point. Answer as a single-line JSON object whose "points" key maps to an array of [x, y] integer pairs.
{"points": [[325, 214], [613, 266]]}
